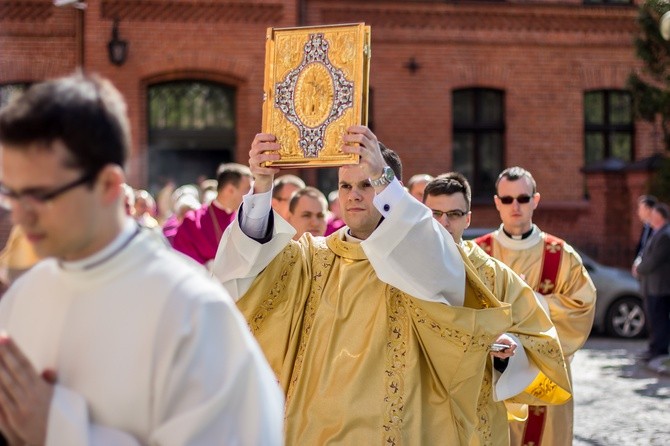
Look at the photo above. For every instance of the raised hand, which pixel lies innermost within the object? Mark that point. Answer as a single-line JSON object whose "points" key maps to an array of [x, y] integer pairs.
{"points": [[367, 147], [264, 148]]}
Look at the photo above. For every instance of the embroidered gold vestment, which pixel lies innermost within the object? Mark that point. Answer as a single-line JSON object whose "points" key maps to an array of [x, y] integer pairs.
{"points": [[361, 362]]}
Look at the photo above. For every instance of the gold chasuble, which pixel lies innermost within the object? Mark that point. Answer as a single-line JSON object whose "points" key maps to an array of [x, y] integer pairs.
{"points": [[363, 363], [538, 337], [570, 303]]}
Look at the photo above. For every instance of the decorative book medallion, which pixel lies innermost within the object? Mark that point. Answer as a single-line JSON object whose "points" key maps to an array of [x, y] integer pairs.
{"points": [[316, 85]]}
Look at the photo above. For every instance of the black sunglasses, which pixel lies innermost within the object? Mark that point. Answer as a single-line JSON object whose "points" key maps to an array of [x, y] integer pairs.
{"points": [[521, 199]]}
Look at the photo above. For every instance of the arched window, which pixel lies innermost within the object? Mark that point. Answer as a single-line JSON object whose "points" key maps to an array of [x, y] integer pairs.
{"points": [[478, 137], [608, 125], [191, 130]]}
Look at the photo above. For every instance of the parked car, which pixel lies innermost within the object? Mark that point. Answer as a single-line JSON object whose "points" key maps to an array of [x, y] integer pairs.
{"points": [[619, 304]]}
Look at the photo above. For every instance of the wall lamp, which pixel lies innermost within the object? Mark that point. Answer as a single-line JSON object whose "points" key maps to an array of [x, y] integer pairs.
{"points": [[412, 65], [117, 48]]}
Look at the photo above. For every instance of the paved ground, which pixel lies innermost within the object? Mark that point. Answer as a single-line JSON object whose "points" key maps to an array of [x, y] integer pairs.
{"points": [[619, 401]]}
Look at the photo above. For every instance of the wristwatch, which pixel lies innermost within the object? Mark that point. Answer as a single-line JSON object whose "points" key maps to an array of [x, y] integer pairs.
{"points": [[386, 178]]}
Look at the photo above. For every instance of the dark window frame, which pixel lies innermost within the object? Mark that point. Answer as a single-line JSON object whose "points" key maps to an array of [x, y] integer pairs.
{"points": [[478, 129], [607, 128]]}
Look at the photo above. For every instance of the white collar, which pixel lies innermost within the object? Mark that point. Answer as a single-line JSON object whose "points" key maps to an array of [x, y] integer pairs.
{"points": [[128, 232], [518, 245]]}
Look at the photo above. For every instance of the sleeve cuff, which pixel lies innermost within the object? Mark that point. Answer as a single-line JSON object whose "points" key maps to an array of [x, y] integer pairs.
{"points": [[386, 200], [519, 374]]}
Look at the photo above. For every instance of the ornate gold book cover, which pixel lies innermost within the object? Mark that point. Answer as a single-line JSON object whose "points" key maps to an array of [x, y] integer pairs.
{"points": [[316, 86]]}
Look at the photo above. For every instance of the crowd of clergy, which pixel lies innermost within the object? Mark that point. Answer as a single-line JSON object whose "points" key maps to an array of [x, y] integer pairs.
{"points": [[252, 308]]}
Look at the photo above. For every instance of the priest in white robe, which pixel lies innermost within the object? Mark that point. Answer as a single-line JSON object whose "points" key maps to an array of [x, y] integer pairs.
{"points": [[114, 339]]}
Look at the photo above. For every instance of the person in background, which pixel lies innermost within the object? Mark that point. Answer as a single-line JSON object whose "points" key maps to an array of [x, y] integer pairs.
{"points": [[417, 183], [184, 199], [334, 220], [307, 212], [285, 186], [113, 339], [554, 270], [537, 373], [645, 204], [145, 209], [17, 257], [654, 272], [199, 233]]}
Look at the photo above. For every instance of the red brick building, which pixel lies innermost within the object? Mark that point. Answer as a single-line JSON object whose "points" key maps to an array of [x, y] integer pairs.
{"points": [[470, 85]]}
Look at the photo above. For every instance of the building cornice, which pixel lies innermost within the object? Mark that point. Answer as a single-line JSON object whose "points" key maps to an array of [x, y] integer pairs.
{"points": [[185, 11]]}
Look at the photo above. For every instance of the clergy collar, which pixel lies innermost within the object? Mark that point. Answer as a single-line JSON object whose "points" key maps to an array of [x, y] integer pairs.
{"points": [[534, 237], [128, 232], [523, 236]]}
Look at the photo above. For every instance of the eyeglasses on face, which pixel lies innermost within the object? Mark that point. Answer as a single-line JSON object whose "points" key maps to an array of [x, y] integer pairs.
{"points": [[32, 198], [451, 215], [521, 199]]}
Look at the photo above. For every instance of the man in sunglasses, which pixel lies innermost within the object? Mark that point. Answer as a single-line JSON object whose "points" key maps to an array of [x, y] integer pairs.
{"points": [[114, 338], [528, 374], [555, 272]]}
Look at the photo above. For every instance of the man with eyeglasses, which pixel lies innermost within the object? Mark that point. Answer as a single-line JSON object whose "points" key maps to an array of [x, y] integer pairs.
{"points": [[536, 373], [555, 272], [113, 338]]}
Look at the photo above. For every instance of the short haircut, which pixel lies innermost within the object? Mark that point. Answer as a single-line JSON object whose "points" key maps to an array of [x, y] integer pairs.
{"points": [[283, 180], [448, 184], [647, 200], [419, 178], [516, 173], [84, 112], [231, 173], [663, 210], [392, 160], [308, 191]]}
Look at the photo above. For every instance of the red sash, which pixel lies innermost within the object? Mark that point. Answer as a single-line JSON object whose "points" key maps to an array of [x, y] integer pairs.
{"points": [[551, 261], [486, 243]]}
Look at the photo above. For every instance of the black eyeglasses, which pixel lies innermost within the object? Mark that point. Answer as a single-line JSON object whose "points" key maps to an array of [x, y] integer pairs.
{"points": [[451, 215], [521, 199], [32, 198]]}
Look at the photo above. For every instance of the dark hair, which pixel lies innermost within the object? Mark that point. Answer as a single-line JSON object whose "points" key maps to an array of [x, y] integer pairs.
{"points": [[663, 210], [515, 173], [308, 191], [231, 173], [648, 200], [86, 113], [392, 160], [448, 184]]}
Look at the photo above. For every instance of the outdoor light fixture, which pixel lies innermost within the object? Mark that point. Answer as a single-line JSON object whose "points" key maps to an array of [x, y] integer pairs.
{"points": [[117, 48], [664, 25]]}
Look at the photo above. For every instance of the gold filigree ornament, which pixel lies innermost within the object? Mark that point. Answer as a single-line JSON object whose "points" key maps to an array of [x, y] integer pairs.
{"points": [[316, 86]]}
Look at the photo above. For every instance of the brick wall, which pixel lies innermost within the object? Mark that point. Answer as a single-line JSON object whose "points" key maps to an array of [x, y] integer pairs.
{"points": [[543, 54]]}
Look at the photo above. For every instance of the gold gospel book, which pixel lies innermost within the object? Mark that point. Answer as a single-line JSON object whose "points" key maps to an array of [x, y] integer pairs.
{"points": [[316, 86]]}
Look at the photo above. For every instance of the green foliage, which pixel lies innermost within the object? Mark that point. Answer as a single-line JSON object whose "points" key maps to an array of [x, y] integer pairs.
{"points": [[650, 88]]}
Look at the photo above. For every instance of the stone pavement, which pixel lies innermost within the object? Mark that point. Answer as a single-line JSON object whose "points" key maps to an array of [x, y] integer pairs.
{"points": [[618, 400]]}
